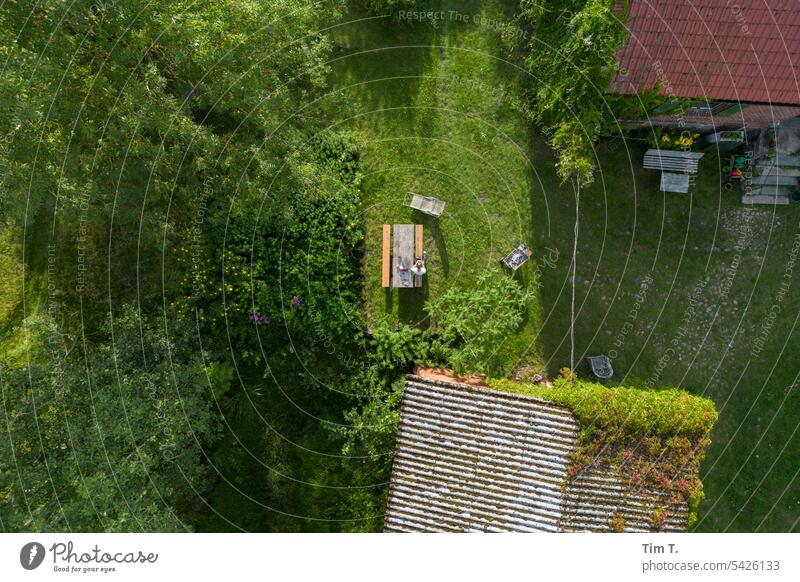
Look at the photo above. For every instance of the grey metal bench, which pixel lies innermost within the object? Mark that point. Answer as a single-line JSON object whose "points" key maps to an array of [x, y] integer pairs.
{"points": [[425, 204], [672, 160]]}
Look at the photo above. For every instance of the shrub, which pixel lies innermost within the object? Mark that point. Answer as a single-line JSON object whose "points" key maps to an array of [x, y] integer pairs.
{"points": [[398, 348], [288, 257], [471, 323], [384, 6], [672, 139], [339, 153]]}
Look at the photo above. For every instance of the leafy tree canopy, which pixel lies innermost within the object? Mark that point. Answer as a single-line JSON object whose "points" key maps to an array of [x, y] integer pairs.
{"points": [[572, 59], [107, 439]]}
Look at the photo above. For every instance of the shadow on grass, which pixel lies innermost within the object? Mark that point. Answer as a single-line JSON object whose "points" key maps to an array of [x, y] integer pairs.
{"points": [[411, 305], [431, 225], [384, 62], [441, 247], [388, 298]]}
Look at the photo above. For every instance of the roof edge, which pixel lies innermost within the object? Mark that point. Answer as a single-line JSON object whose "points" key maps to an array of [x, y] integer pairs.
{"points": [[476, 387]]}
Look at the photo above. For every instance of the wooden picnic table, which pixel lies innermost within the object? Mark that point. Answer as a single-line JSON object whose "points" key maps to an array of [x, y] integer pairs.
{"points": [[406, 247]]}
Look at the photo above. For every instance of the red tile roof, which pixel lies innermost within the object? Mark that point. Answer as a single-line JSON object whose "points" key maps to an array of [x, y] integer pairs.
{"points": [[737, 50]]}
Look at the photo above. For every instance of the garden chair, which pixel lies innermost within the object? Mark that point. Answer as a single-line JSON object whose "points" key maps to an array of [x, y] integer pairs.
{"points": [[517, 257], [425, 204]]}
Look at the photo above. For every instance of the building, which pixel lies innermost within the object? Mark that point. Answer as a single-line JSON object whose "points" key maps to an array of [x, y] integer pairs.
{"points": [[472, 458], [739, 60]]}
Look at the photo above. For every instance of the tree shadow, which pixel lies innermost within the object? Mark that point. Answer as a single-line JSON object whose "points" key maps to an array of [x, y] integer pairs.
{"points": [[411, 305], [388, 299], [390, 86], [441, 246], [551, 206]]}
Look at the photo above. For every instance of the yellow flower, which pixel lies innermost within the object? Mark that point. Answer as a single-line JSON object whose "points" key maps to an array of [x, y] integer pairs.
{"points": [[665, 137]]}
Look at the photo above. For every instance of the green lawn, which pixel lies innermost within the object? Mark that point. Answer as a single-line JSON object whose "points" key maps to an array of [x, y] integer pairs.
{"points": [[435, 111], [679, 288]]}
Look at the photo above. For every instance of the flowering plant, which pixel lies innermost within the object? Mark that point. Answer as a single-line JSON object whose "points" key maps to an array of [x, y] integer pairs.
{"points": [[673, 139]]}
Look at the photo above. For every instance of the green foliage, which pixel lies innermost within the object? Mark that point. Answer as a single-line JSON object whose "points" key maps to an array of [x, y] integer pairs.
{"points": [[339, 153], [368, 434], [399, 347], [110, 440], [387, 6], [473, 322], [371, 427], [220, 376], [635, 412], [121, 119], [140, 133], [296, 263], [645, 104], [378, 382], [572, 61]]}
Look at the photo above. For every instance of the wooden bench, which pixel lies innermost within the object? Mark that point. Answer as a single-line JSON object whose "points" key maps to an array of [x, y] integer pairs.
{"points": [[418, 251], [386, 267]]}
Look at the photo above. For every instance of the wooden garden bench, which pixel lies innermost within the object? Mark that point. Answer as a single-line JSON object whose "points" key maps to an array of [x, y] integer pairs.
{"points": [[386, 265]]}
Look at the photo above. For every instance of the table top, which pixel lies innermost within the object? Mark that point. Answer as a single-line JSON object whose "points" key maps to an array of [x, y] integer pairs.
{"points": [[402, 253]]}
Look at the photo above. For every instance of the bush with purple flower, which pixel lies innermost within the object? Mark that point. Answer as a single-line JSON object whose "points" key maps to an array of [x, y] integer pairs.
{"points": [[261, 319]]}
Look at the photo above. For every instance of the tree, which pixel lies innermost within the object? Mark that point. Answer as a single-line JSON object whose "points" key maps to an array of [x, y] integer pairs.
{"points": [[572, 61], [472, 322], [107, 439], [124, 119]]}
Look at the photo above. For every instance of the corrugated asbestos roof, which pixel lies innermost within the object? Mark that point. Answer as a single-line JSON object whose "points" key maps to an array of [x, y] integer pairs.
{"points": [[476, 459], [747, 50]]}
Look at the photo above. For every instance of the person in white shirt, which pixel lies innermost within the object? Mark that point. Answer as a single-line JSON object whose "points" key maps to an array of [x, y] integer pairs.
{"points": [[418, 268]]}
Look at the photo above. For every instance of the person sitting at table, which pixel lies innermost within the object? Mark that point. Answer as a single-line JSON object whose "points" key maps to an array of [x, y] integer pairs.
{"points": [[418, 268]]}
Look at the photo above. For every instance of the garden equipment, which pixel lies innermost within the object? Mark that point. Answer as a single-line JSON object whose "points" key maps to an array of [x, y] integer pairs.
{"points": [[516, 258], [601, 366]]}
